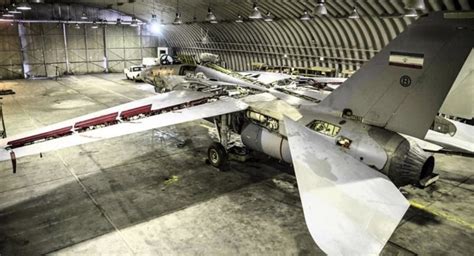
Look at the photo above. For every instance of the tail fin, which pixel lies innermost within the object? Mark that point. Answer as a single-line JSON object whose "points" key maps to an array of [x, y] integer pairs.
{"points": [[403, 86]]}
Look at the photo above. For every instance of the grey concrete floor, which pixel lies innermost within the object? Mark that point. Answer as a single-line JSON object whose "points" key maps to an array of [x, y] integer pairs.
{"points": [[139, 195]]}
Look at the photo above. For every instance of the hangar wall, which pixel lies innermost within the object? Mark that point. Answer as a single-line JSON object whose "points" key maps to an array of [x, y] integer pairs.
{"points": [[45, 52], [340, 44], [42, 48], [334, 41], [10, 54]]}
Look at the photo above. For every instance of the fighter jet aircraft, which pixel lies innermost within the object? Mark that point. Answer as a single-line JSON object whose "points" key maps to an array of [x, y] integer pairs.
{"points": [[347, 153]]}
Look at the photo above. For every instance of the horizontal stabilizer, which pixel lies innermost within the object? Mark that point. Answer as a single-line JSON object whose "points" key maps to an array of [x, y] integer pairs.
{"points": [[460, 99], [350, 209]]}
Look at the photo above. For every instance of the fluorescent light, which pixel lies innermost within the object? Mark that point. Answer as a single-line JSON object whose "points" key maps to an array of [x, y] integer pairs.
{"points": [[94, 25]]}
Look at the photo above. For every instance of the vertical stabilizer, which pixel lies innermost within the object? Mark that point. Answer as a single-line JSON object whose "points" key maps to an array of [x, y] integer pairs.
{"points": [[403, 86]]}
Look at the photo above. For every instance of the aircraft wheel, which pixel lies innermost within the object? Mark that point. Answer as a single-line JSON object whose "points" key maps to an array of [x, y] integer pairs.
{"points": [[217, 155]]}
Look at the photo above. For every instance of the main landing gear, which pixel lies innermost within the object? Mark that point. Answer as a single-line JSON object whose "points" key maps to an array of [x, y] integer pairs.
{"points": [[220, 153], [217, 155]]}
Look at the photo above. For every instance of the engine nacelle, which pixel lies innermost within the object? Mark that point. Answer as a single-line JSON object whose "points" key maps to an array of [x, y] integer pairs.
{"points": [[407, 163], [260, 139]]}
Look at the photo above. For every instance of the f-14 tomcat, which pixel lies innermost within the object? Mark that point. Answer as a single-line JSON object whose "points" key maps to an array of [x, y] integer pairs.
{"points": [[346, 150]]}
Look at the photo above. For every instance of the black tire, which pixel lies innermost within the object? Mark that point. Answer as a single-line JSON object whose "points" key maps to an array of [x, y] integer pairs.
{"points": [[217, 155]]}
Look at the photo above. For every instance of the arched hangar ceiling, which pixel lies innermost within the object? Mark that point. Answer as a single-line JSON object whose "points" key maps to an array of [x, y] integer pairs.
{"points": [[332, 41]]}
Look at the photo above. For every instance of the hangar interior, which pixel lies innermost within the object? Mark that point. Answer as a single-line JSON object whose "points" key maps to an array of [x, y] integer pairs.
{"points": [[154, 191]]}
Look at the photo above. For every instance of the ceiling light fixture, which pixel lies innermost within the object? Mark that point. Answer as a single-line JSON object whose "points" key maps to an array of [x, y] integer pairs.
{"points": [[7, 14], [84, 16], [321, 9], [153, 20], [154, 25], [24, 6], [268, 17], [354, 14], [134, 22], [411, 13], [119, 21], [239, 19], [305, 16], [210, 15], [415, 4], [94, 25], [205, 37], [13, 9], [77, 26], [255, 14], [177, 19]]}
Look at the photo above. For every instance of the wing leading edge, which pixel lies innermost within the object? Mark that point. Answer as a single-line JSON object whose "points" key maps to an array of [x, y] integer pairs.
{"points": [[350, 209]]}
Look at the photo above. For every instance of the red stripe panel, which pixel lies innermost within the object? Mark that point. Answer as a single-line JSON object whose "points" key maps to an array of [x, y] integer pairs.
{"points": [[136, 111], [55, 133], [97, 120]]}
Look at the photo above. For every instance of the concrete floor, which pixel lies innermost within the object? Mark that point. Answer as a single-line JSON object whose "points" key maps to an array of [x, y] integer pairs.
{"points": [[141, 195]]}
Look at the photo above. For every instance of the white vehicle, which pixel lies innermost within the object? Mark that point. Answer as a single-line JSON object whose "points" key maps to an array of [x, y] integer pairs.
{"points": [[133, 73]]}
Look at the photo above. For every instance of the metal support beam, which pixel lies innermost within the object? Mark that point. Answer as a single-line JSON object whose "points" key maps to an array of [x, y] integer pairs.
{"points": [[21, 51], [43, 48], [21, 34], [66, 51], [141, 41], [106, 60], [85, 47]]}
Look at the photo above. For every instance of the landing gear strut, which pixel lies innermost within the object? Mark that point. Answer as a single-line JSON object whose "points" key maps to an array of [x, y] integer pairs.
{"points": [[217, 152]]}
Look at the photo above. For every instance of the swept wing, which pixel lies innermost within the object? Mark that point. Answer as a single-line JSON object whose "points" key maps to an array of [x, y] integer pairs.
{"points": [[137, 116]]}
